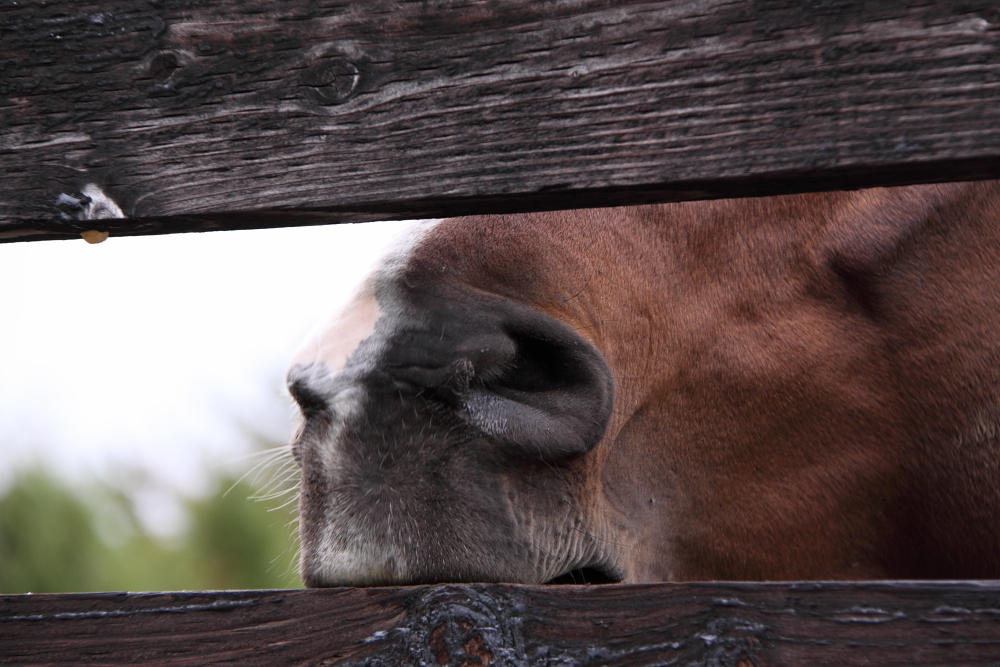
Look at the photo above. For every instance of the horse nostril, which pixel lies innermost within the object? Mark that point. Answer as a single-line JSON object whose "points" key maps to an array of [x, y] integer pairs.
{"points": [[541, 365], [307, 398], [550, 399]]}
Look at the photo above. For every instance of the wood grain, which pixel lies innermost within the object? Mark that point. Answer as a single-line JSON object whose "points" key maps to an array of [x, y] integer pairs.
{"points": [[225, 114], [889, 624]]}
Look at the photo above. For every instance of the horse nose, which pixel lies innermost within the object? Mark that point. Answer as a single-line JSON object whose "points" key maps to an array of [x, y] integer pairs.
{"points": [[519, 376], [308, 399]]}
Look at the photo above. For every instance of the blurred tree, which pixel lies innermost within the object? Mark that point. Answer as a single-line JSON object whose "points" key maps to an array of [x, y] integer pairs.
{"points": [[242, 544], [47, 539], [51, 541]]}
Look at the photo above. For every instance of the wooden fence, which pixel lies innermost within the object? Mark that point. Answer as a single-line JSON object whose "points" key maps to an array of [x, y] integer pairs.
{"points": [[715, 625], [157, 116], [225, 114]]}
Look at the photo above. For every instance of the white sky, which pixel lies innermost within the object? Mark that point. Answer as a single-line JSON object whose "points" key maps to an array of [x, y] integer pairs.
{"points": [[158, 355]]}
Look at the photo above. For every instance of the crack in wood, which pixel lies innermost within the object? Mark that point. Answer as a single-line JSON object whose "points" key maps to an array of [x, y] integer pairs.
{"points": [[217, 605]]}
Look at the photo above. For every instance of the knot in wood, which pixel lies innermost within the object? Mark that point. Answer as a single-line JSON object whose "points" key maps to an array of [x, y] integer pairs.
{"points": [[460, 643], [331, 80], [457, 626], [162, 66]]}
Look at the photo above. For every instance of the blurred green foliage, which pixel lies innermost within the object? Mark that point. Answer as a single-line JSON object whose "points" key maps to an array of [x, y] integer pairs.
{"points": [[57, 539]]}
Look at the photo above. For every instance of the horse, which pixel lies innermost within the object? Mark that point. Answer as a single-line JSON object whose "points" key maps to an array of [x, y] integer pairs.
{"points": [[777, 388]]}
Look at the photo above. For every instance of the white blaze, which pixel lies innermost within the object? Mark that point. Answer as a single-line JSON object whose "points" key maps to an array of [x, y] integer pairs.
{"points": [[334, 340], [371, 314], [332, 362]]}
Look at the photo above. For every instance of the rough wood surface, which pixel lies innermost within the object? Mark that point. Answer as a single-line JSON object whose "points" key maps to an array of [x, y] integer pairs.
{"points": [[733, 625], [218, 114]]}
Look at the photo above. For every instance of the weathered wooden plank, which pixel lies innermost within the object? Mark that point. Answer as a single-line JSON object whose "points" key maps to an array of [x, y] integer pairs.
{"points": [[220, 114], [888, 623]]}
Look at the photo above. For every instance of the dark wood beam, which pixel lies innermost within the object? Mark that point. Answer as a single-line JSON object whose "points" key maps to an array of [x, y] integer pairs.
{"points": [[734, 625], [226, 114]]}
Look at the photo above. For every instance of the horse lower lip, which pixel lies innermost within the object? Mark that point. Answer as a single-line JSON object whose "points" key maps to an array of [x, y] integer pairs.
{"points": [[584, 575]]}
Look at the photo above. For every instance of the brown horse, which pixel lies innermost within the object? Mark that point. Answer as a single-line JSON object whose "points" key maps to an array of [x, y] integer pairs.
{"points": [[798, 387]]}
